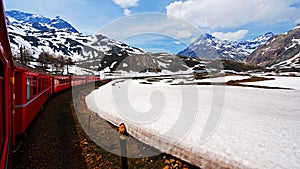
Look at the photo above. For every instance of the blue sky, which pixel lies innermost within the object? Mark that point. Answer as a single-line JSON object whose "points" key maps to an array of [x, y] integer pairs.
{"points": [[230, 19]]}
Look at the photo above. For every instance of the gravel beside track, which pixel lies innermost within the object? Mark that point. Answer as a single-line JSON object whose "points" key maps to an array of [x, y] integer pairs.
{"points": [[51, 140]]}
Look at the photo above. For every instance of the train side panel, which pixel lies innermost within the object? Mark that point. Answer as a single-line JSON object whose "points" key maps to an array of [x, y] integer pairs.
{"points": [[7, 90], [32, 91], [78, 80], [90, 79], [61, 83]]}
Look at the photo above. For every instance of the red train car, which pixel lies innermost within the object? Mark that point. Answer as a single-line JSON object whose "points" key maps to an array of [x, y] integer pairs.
{"points": [[6, 94], [23, 92], [32, 91], [61, 83], [78, 80], [90, 79]]}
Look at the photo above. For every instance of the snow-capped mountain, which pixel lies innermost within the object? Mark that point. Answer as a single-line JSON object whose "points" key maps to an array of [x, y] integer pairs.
{"points": [[39, 22], [57, 37], [209, 47], [280, 51]]}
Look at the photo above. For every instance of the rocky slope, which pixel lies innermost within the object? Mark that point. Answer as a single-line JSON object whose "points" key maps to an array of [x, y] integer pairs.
{"points": [[280, 51]]}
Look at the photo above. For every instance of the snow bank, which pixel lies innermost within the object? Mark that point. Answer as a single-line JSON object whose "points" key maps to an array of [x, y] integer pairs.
{"points": [[259, 128]]}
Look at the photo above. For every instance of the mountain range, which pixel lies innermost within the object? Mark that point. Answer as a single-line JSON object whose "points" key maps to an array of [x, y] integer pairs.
{"points": [[39, 34], [207, 46], [280, 51], [39, 22], [56, 36]]}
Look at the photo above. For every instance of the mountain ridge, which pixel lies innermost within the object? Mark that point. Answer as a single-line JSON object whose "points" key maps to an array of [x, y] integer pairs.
{"points": [[94, 52], [278, 50], [207, 46], [39, 34], [40, 22]]}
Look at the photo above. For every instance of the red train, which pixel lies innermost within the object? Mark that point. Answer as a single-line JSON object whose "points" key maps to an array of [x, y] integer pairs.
{"points": [[23, 92]]}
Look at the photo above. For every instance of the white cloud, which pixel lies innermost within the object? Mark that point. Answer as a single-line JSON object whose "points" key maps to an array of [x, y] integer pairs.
{"points": [[231, 35], [231, 13], [127, 12], [126, 3], [151, 23], [184, 34]]}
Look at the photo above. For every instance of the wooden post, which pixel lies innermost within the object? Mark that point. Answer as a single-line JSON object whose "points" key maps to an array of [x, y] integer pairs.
{"points": [[123, 133]]}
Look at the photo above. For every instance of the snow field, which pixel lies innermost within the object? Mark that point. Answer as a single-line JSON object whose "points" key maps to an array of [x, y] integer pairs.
{"points": [[258, 128]]}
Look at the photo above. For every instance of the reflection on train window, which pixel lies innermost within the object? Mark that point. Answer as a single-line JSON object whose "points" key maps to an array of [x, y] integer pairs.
{"points": [[28, 87]]}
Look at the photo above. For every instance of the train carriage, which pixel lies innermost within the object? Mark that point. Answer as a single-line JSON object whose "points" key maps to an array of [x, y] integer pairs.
{"points": [[32, 91], [23, 92], [61, 83], [78, 80], [6, 94], [90, 79]]}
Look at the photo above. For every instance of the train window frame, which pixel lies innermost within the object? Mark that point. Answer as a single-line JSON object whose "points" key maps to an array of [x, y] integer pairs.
{"points": [[39, 84], [43, 83], [28, 86], [34, 85]]}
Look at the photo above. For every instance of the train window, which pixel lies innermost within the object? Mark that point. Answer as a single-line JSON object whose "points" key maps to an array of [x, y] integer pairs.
{"points": [[34, 86], [43, 83], [28, 87], [46, 83], [39, 85]]}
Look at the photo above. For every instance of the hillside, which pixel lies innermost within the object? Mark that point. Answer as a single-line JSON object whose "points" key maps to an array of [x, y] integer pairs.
{"points": [[280, 51]]}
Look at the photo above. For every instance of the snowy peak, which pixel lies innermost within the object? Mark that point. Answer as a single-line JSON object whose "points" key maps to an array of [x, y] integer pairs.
{"points": [[264, 38], [39, 22], [26, 17], [60, 24], [209, 47], [205, 37]]}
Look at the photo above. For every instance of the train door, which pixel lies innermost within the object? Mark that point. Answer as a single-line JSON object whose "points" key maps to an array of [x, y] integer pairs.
{"points": [[2, 122]]}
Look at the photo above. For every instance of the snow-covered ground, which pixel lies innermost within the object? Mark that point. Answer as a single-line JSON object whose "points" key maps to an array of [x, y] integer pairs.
{"points": [[284, 82], [255, 128], [223, 79], [124, 74]]}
